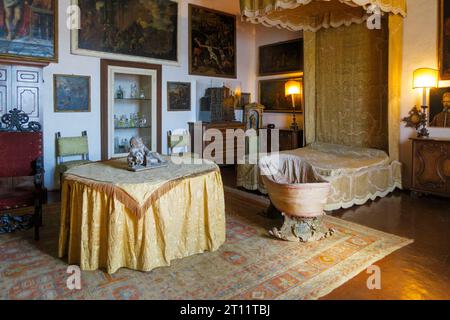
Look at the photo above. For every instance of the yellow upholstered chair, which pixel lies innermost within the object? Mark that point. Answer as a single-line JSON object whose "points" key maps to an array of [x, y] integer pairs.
{"points": [[70, 147]]}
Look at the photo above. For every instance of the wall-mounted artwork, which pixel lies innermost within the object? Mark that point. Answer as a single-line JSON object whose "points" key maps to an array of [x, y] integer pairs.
{"points": [[253, 116], [272, 96], [28, 30], [178, 96], [212, 39], [282, 57], [444, 39], [72, 93], [244, 100], [440, 107], [133, 30]]}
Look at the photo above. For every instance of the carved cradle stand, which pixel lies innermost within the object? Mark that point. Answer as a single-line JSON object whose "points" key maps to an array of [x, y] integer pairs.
{"points": [[301, 204]]}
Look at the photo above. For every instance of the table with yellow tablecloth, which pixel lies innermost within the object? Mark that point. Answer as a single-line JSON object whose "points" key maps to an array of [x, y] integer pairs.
{"points": [[113, 218]]}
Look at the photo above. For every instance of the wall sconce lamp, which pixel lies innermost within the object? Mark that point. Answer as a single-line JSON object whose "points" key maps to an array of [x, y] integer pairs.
{"points": [[425, 78], [293, 88]]}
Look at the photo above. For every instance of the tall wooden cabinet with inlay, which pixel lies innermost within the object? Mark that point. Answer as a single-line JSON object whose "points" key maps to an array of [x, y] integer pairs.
{"points": [[431, 166]]}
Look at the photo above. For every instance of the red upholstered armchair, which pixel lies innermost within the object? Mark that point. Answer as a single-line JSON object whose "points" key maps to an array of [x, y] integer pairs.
{"points": [[21, 156]]}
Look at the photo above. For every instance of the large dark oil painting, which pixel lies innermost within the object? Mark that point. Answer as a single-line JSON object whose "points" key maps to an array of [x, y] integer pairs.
{"points": [[283, 57], [28, 30], [444, 39], [138, 29], [272, 96], [212, 43]]}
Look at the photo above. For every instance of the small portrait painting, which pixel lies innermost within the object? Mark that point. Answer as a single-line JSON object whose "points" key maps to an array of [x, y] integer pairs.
{"points": [[440, 107], [245, 99], [178, 96], [72, 93]]}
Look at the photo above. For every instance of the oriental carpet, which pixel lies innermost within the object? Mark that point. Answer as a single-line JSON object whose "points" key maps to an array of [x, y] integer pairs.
{"points": [[250, 265]]}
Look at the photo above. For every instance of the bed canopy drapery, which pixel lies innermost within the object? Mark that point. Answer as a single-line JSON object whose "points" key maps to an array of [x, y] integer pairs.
{"points": [[311, 15], [314, 17]]}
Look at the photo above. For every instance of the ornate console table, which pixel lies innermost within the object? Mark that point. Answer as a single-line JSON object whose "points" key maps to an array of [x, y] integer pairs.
{"points": [[431, 166]]}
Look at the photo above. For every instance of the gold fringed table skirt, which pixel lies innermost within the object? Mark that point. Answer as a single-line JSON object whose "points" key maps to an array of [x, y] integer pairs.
{"points": [[98, 231]]}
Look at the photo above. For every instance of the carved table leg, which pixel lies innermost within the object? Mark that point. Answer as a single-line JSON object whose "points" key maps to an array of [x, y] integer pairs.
{"points": [[302, 229]]}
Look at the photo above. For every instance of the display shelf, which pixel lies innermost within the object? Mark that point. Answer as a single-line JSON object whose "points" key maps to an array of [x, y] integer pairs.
{"points": [[131, 99], [127, 128], [130, 106], [131, 115]]}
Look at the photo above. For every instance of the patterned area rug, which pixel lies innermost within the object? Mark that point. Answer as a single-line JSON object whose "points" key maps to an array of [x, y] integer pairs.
{"points": [[251, 265]]}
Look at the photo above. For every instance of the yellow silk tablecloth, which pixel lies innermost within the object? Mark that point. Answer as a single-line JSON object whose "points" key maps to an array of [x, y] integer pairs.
{"points": [[112, 218]]}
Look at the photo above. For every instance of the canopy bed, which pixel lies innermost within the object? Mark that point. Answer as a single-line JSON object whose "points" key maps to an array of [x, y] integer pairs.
{"points": [[351, 92], [113, 218]]}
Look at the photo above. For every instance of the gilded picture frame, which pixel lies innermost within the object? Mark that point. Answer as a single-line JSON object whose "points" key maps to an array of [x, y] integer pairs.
{"points": [[444, 39], [281, 58], [122, 46], [271, 94], [439, 114], [178, 96], [33, 40]]}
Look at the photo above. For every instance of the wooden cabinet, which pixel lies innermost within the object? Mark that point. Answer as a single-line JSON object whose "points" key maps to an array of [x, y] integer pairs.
{"points": [[230, 144], [431, 166], [288, 139]]}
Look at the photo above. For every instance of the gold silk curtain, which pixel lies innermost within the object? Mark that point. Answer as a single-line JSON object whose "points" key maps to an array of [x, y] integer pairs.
{"points": [[395, 83], [309, 40], [351, 82]]}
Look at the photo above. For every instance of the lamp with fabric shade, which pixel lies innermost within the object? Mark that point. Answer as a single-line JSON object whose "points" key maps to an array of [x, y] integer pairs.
{"points": [[293, 88], [425, 78]]}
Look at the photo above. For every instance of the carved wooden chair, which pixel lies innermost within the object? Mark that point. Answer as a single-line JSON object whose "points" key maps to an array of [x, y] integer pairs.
{"points": [[21, 170], [68, 148]]}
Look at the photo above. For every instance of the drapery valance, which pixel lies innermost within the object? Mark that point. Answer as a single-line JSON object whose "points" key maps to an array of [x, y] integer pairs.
{"points": [[312, 15]]}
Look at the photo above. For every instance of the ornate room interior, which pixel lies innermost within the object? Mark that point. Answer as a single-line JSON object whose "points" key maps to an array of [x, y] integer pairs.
{"points": [[225, 150]]}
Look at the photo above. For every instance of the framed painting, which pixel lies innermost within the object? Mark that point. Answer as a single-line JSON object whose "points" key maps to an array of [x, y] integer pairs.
{"points": [[244, 100], [133, 30], [440, 107], [212, 43], [178, 96], [444, 39], [282, 57], [272, 96], [29, 31], [72, 93]]}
